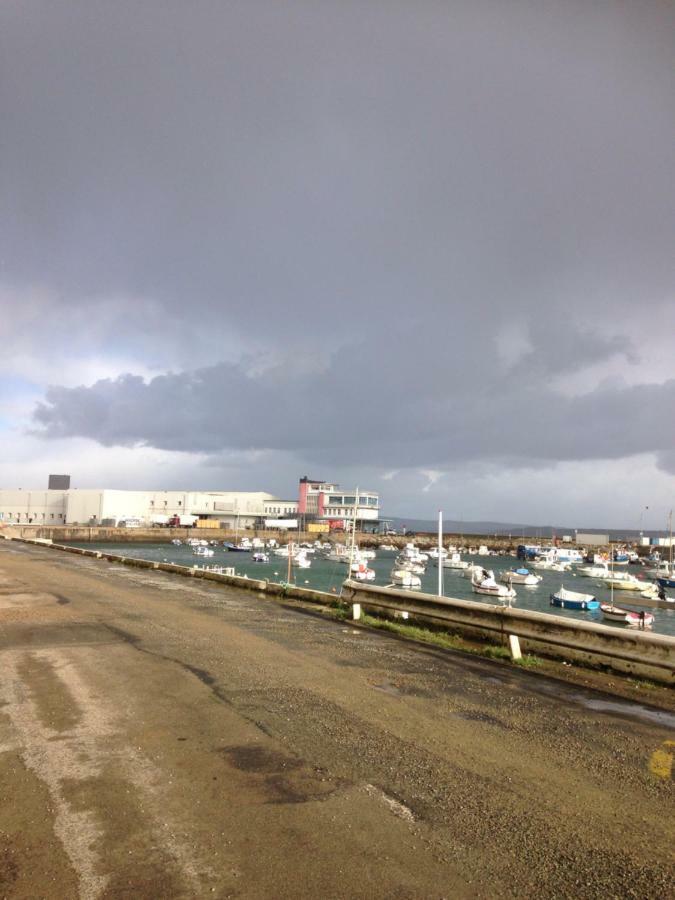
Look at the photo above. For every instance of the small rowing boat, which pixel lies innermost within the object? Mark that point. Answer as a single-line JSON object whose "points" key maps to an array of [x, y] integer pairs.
{"points": [[640, 619]]}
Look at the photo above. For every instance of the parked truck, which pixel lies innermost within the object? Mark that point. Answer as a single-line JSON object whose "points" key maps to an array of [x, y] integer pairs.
{"points": [[182, 521]]}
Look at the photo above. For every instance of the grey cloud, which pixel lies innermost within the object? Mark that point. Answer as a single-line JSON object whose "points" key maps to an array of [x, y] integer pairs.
{"points": [[328, 416], [320, 218], [258, 162]]}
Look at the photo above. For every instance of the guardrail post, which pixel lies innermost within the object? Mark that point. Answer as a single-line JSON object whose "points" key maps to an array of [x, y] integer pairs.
{"points": [[356, 611], [514, 646]]}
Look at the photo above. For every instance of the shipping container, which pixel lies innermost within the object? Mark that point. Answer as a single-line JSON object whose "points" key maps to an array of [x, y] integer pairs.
{"points": [[318, 528], [207, 523]]}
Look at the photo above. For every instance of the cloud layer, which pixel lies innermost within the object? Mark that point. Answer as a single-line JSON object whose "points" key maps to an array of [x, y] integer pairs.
{"points": [[356, 236]]}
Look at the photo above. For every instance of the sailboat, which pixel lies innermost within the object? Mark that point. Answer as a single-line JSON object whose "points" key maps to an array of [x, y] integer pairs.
{"points": [[614, 613], [668, 581]]}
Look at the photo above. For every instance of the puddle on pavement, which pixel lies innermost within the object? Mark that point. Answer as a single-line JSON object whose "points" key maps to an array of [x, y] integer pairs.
{"points": [[632, 710], [472, 716], [628, 709]]}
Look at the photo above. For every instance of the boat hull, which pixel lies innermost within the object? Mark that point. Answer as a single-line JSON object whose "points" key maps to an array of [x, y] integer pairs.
{"points": [[572, 600], [627, 616]]}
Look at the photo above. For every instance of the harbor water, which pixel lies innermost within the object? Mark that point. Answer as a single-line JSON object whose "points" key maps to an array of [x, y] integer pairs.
{"points": [[327, 575]]}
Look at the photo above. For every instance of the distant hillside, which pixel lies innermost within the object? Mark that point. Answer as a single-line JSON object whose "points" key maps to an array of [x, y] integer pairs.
{"points": [[514, 529]]}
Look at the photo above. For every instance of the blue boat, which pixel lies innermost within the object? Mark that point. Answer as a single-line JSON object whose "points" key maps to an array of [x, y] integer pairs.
{"points": [[667, 582], [573, 600]]}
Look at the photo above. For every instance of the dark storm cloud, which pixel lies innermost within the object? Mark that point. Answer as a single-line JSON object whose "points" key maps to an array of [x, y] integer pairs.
{"points": [[516, 422], [395, 191]]}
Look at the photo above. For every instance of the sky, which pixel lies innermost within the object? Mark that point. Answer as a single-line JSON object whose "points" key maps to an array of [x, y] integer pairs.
{"points": [[422, 248]]}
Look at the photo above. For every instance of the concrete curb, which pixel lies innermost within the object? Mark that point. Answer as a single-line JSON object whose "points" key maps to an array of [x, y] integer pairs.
{"points": [[635, 653]]}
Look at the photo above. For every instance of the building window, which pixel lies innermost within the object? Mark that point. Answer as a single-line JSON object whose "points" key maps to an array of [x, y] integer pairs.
{"points": [[180, 502], [152, 503]]}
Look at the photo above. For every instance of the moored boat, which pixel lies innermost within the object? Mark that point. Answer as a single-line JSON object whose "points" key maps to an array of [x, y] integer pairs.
{"points": [[623, 581], [406, 579], [260, 557], [630, 617], [668, 582], [566, 599], [520, 576], [360, 572], [455, 561], [551, 565], [484, 582]]}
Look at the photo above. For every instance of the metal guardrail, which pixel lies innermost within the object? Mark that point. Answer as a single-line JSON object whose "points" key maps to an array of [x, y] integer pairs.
{"points": [[556, 632]]}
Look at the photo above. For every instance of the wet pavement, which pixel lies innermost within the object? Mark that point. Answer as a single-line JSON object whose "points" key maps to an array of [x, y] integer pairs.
{"points": [[160, 737]]}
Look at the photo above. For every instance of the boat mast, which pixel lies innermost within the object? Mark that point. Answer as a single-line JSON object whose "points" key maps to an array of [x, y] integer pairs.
{"points": [[440, 553], [611, 576], [289, 546], [351, 548], [670, 529]]}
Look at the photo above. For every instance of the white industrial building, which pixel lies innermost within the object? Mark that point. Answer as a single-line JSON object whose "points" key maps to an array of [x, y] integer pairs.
{"points": [[318, 502], [110, 507]]}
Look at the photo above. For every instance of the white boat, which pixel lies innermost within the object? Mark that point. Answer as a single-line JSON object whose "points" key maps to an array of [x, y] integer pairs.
{"points": [[203, 551], [367, 554], [623, 581], [455, 561], [388, 548], [662, 569], [404, 578], [471, 570], [483, 582], [435, 553], [301, 560], [629, 617], [260, 557], [176, 542], [551, 565], [520, 576], [360, 572], [601, 570], [412, 553], [410, 566], [339, 553]]}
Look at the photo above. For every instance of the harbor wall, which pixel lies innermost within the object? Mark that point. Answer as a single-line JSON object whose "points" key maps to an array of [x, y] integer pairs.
{"points": [[635, 653], [119, 535]]}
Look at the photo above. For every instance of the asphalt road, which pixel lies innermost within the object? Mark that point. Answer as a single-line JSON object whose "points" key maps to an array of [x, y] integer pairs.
{"points": [[163, 738]]}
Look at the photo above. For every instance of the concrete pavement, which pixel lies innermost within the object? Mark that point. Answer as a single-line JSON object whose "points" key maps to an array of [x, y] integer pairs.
{"points": [[168, 739]]}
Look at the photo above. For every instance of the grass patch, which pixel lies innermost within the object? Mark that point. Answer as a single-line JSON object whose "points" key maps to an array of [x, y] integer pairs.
{"points": [[438, 638], [449, 641], [642, 684], [494, 652], [339, 610], [528, 661]]}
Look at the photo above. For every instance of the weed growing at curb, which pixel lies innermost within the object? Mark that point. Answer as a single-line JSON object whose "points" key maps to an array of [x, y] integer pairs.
{"points": [[448, 641]]}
